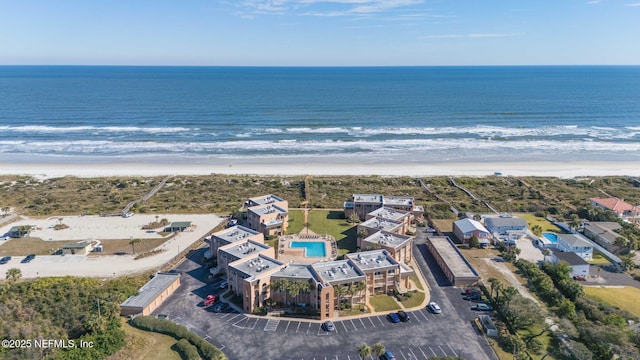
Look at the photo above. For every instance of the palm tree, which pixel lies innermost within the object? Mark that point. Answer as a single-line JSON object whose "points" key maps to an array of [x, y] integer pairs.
{"points": [[351, 291], [536, 230], [133, 243], [378, 349], [360, 287], [340, 290], [279, 285], [477, 217], [496, 286], [294, 288], [14, 274], [364, 350]]}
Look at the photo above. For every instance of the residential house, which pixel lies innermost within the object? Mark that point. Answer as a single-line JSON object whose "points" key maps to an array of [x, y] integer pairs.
{"points": [[575, 243], [506, 227], [619, 207], [603, 233], [579, 267], [466, 228]]}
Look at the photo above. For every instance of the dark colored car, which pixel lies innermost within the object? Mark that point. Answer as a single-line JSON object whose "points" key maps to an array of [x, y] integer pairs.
{"points": [[393, 317], [28, 258], [471, 291], [404, 317], [476, 296], [484, 307], [5, 259], [388, 355]]}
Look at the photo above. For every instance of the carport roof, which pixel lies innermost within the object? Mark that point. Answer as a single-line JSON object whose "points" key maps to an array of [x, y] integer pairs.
{"points": [[151, 290]]}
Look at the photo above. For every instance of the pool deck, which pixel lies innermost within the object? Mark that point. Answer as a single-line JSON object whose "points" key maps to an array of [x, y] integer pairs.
{"points": [[288, 255]]}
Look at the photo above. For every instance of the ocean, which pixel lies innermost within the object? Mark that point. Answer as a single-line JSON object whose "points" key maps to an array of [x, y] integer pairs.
{"points": [[430, 114]]}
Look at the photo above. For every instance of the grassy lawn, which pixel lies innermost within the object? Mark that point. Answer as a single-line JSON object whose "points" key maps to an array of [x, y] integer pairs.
{"points": [[26, 246], [383, 303], [140, 345], [417, 282], [598, 259], [332, 222], [296, 221], [445, 225], [626, 298], [121, 246], [544, 340], [416, 299], [356, 310], [542, 222]]}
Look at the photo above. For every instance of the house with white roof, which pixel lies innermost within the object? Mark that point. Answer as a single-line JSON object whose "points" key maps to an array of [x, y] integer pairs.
{"points": [[506, 227], [579, 267], [466, 228]]}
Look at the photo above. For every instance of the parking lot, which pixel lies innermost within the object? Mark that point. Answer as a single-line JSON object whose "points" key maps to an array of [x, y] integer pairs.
{"points": [[241, 336]]}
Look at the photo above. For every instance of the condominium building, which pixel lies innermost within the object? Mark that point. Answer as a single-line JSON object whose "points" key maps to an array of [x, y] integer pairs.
{"points": [[231, 235], [399, 246], [268, 219], [230, 253], [362, 204], [267, 200], [250, 278], [374, 225], [389, 213]]}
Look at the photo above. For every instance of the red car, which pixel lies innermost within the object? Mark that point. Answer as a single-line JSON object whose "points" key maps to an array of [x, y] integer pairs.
{"points": [[209, 300]]}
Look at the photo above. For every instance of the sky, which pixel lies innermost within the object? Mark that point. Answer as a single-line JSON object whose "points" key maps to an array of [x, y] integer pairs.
{"points": [[320, 32]]}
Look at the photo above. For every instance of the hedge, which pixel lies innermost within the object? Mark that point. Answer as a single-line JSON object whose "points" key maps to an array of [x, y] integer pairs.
{"points": [[186, 350], [178, 332]]}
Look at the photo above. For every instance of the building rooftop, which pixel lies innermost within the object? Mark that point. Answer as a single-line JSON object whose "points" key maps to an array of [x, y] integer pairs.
{"points": [[452, 256], [76, 245], [294, 271], [243, 249], [180, 224], [386, 238], [493, 222], [469, 225], [614, 204], [267, 209], [388, 213], [369, 198], [604, 229], [235, 233], [337, 272], [254, 266], [574, 240], [151, 290], [265, 200], [372, 260], [571, 258], [397, 200], [381, 224]]}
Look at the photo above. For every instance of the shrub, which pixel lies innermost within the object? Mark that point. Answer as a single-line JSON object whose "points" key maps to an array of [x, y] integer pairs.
{"points": [[186, 350]]}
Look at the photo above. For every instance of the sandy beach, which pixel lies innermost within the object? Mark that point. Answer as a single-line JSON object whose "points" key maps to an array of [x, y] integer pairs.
{"points": [[329, 165]]}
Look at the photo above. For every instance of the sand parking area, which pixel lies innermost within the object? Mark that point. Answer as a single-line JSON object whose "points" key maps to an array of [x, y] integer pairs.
{"points": [[96, 228]]}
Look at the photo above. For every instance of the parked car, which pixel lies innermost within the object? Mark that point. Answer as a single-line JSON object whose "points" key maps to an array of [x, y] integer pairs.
{"points": [[209, 300], [580, 278], [219, 307], [434, 307], [471, 291], [224, 284], [388, 355], [483, 307], [28, 258], [404, 317], [5, 259], [394, 318], [475, 296], [328, 326]]}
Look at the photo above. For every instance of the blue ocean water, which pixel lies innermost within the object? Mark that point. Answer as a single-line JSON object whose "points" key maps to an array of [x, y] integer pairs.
{"points": [[435, 113]]}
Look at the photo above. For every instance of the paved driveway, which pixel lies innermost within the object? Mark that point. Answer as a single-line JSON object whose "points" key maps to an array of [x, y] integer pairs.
{"points": [[240, 336]]}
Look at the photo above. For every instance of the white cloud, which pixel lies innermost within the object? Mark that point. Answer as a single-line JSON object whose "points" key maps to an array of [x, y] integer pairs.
{"points": [[593, 2], [466, 36], [633, 4], [320, 7]]}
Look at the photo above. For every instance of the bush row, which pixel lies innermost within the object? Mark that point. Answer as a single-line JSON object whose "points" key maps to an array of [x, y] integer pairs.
{"points": [[186, 350], [178, 332]]}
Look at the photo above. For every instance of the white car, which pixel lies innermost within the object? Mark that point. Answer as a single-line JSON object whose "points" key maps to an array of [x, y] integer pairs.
{"points": [[434, 307]]}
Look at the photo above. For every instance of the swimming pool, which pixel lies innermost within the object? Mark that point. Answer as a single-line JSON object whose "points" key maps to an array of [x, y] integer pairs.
{"points": [[553, 238], [312, 248]]}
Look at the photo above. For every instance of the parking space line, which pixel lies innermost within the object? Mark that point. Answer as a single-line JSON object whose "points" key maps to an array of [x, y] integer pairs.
{"points": [[416, 317], [231, 319], [402, 354], [434, 353], [239, 321], [298, 327], [381, 323], [309, 328], [354, 325], [362, 323], [414, 354], [371, 321], [344, 326], [287, 328], [271, 325], [423, 315], [452, 351], [444, 352], [423, 354]]}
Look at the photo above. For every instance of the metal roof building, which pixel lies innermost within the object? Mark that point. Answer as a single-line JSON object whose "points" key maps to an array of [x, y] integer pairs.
{"points": [[151, 295]]}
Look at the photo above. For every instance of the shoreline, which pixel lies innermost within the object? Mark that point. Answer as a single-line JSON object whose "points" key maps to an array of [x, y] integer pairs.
{"points": [[310, 165]]}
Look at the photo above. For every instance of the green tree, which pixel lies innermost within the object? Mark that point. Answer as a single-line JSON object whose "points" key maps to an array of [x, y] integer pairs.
{"points": [[279, 286], [340, 291], [364, 350], [474, 242], [354, 219], [378, 349], [627, 261], [133, 243], [14, 274], [536, 229]]}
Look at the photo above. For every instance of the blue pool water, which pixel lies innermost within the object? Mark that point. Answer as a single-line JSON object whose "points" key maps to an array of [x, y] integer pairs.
{"points": [[313, 248], [553, 238]]}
